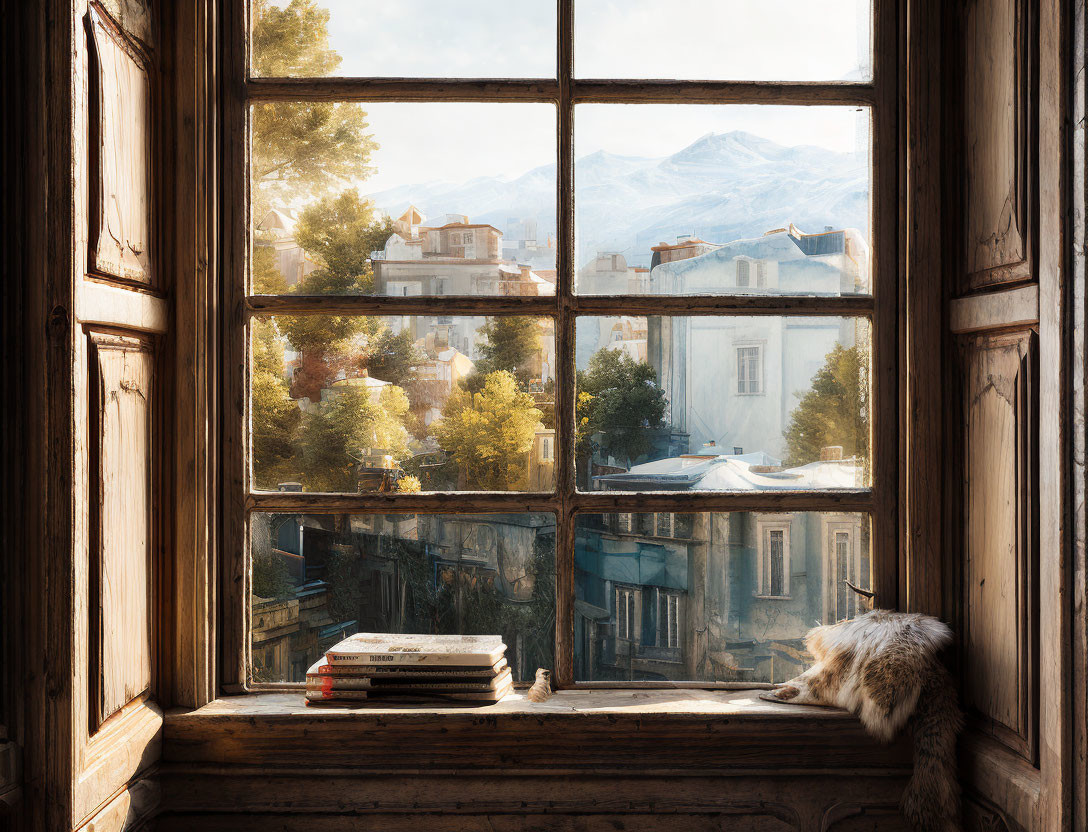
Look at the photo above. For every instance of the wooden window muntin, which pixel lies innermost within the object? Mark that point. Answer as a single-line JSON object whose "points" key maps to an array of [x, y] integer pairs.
{"points": [[880, 500]]}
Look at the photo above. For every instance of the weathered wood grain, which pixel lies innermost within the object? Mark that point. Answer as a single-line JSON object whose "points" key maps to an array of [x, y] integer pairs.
{"points": [[651, 731], [807, 802], [1012, 308], [1000, 580], [121, 146], [997, 124], [582, 90], [102, 304], [121, 563]]}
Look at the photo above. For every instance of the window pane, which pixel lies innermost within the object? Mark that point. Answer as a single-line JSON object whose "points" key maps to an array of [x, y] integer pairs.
{"points": [[319, 578], [693, 199], [733, 40], [403, 199], [722, 403], [722, 626], [429, 39], [438, 403]]}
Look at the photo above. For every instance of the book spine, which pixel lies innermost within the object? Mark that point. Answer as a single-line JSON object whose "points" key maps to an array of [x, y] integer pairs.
{"points": [[410, 659]]}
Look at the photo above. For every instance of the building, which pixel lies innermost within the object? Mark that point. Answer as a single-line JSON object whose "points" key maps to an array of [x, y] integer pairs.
{"points": [[783, 260], [747, 371], [609, 273], [276, 229], [714, 596]]}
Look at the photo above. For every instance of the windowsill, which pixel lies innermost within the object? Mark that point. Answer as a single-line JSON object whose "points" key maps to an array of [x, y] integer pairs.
{"points": [[623, 730], [773, 597]]}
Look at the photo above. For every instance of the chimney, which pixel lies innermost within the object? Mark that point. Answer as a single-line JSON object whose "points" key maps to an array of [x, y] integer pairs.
{"points": [[831, 453]]}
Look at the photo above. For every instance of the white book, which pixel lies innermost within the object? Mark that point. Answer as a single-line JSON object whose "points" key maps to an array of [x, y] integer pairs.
{"points": [[392, 649]]}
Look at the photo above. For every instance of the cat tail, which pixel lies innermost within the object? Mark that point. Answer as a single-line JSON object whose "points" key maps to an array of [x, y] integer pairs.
{"points": [[931, 800]]}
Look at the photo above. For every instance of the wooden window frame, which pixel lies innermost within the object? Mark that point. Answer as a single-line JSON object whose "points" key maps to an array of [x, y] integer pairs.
{"points": [[880, 501]]}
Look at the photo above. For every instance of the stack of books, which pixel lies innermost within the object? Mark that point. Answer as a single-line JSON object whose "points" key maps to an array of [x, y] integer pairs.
{"points": [[407, 667]]}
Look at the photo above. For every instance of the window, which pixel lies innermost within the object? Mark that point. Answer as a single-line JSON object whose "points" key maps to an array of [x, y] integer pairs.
{"points": [[668, 619], [774, 558], [625, 613], [375, 427], [842, 542], [743, 269], [749, 370], [664, 522]]}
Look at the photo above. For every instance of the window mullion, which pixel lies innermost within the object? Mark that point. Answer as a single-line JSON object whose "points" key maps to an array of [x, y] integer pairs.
{"points": [[564, 333]]}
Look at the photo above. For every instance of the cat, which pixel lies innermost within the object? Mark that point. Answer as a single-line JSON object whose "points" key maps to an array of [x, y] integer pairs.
{"points": [[884, 667]]}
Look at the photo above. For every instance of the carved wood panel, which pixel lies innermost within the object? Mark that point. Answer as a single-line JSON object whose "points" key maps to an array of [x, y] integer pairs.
{"points": [[122, 538], [997, 157], [120, 155], [999, 567]]}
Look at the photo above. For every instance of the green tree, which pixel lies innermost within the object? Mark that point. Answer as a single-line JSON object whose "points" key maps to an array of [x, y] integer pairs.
{"points": [[335, 434], [393, 357], [620, 404], [305, 148], [340, 232], [267, 277], [489, 433], [835, 411], [513, 342], [275, 415]]}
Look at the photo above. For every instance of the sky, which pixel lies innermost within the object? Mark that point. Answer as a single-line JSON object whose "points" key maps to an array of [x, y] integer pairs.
{"points": [[716, 39]]}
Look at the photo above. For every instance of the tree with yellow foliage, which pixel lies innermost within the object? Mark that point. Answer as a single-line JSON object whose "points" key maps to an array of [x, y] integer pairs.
{"points": [[489, 434]]}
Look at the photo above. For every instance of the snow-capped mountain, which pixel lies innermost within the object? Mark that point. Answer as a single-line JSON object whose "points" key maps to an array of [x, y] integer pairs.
{"points": [[722, 187]]}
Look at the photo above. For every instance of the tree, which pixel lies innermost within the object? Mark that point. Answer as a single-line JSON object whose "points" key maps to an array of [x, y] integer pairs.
{"points": [[620, 403], [336, 432], [305, 148], [393, 357], [275, 415], [835, 411], [489, 433], [513, 341], [267, 277], [340, 233]]}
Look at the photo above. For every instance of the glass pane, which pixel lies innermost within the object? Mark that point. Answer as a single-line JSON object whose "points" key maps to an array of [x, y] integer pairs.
{"points": [[721, 597], [722, 403], [319, 578], [428, 39], [403, 199], [693, 199], [407, 403], [732, 40]]}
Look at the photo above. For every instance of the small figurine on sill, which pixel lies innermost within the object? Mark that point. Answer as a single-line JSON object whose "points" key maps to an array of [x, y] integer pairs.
{"points": [[542, 687], [884, 666]]}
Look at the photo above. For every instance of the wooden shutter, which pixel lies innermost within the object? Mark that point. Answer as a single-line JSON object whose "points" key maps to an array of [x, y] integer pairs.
{"points": [[1005, 404]]}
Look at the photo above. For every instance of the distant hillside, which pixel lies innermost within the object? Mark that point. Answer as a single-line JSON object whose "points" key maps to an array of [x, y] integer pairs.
{"points": [[722, 187]]}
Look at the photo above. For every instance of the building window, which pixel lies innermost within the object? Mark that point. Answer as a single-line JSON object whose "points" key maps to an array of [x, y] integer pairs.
{"points": [[761, 275], [749, 370], [743, 274], [842, 564], [774, 558], [625, 522], [664, 523], [625, 613], [668, 619]]}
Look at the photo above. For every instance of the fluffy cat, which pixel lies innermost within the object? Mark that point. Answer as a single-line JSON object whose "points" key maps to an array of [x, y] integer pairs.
{"points": [[883, 666]]}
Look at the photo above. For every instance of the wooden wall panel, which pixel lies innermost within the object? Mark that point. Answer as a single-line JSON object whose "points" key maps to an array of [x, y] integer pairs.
{"points": [[998, 569], [996, 139], [121, 524], [120, 145]]}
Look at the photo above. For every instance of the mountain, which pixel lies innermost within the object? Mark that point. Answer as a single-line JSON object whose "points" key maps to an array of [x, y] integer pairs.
{"points": [[721, 187]]}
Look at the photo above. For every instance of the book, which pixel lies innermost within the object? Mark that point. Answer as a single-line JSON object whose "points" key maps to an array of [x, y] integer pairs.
{"points": [[385, 649], [327, 684], [352, 696], [346, 671]]}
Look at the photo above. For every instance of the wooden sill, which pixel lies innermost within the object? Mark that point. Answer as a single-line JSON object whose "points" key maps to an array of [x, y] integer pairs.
{"points": [[599, 730]]}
